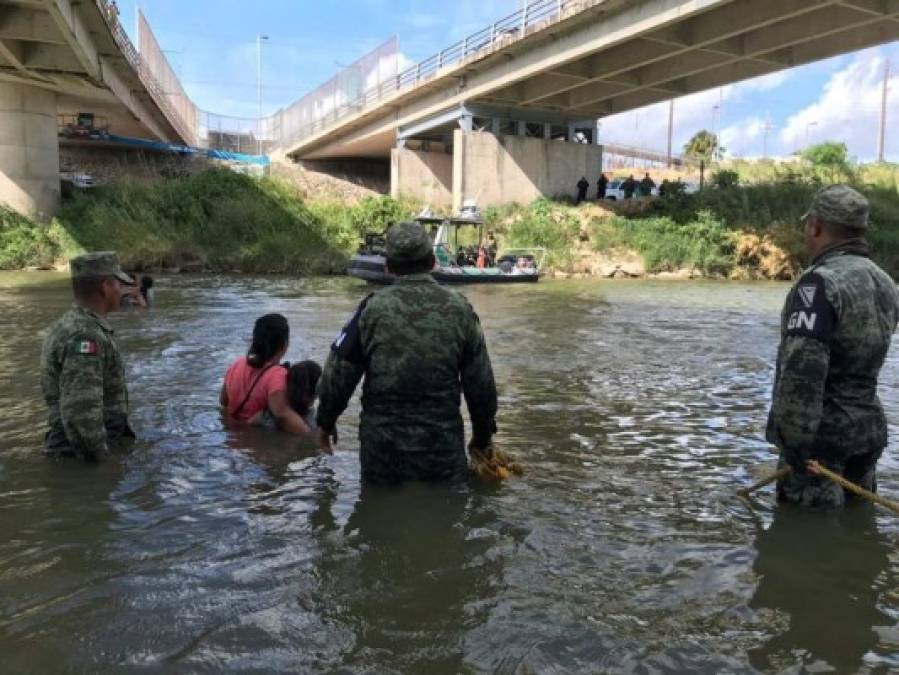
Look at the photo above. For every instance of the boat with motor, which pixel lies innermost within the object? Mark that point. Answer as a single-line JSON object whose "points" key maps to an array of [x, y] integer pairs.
{"points": [[457, 262]]}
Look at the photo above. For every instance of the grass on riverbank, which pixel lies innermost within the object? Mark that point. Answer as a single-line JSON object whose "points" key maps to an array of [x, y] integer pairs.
{"points": [[217, 220]]}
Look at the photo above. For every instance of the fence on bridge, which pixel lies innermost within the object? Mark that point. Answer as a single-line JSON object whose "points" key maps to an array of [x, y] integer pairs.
{"points": [[363, 84]]}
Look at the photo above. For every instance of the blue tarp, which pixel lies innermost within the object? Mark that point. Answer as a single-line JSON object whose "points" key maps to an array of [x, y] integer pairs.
{"points": [[160, 146]]}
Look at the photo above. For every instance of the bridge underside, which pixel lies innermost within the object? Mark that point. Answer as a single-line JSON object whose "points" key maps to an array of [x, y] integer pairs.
{"points": [[60, 58], [617, 56]]}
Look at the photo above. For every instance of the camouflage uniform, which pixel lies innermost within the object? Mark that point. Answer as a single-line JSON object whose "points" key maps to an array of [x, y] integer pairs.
{"points": [[836, 328], [419, 346], [82, 374]]}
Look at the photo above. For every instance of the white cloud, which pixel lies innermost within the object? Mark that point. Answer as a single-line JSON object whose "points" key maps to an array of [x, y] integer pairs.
{"points": [[848, 110]]}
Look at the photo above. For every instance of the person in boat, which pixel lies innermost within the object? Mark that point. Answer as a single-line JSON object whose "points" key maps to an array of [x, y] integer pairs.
{"points": [[582, 186], [419, 346], [491, 249], [836, 328], [255, 385]]}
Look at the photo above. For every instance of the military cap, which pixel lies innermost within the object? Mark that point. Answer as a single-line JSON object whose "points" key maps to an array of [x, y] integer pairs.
{"points": [[99, 264], [840, 205], [407, 242]]}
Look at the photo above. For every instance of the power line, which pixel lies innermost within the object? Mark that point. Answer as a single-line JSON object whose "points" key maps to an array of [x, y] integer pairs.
{"points": [[881, 145]]}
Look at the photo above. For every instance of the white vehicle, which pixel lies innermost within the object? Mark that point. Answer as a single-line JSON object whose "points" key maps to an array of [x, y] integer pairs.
{"points": [[77, 180], [615, 190]]}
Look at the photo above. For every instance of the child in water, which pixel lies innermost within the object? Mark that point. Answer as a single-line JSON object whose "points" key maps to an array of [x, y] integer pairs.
{"points": [[302, 379]]}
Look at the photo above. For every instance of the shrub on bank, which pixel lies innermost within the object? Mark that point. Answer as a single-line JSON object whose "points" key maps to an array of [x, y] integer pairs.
{"points": [[216, 219]]}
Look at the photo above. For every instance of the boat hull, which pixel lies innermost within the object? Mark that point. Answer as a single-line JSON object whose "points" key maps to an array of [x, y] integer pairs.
{"points": [[371, 268]]}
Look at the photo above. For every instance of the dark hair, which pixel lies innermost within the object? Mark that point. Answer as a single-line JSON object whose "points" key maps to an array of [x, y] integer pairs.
{"points": [[404, 267], [146, 282], [87, 287], [270, 335], [302, 379]]}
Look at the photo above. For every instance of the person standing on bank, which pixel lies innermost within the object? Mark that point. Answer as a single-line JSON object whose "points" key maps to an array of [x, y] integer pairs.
{"points": [[601, 186], [582, 186], [419, 346], [836, 328], [83, 377]]}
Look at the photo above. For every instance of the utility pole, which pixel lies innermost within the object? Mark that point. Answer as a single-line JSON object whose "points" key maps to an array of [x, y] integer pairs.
{"points": [[881, 145], [766, 129], [259, 39], [670, 129]]}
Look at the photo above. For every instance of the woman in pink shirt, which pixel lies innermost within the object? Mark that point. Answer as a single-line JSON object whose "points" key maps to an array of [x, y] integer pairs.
{"points": [[256, 382]]}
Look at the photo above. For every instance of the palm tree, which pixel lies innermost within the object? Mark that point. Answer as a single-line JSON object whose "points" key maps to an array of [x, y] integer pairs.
{"points": [[704, 145]]}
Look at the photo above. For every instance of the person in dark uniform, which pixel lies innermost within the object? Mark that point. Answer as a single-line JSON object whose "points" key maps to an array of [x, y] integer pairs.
{"points": [[646, 186], [629, 186], [582, 186], [601, 185], [419, 346], [836, 328]]}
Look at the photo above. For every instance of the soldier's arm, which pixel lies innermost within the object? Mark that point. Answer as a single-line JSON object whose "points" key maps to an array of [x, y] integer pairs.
{"points": [[343, 370], [478, 384], [798, 398], [81, 395]]}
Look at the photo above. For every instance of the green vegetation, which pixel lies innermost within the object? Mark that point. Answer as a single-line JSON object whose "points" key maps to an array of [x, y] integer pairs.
{"points": [[704, 145], [217, 220], [745, 223]]}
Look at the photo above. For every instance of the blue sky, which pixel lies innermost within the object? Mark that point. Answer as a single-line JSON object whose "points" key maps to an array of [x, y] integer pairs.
{"points": [[212, 47]]}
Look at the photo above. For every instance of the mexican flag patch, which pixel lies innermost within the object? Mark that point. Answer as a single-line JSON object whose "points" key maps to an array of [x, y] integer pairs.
{"points": [[87, 347]]}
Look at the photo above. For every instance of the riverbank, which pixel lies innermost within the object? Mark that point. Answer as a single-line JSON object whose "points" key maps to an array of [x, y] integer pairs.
{"points": [[220, 221]]}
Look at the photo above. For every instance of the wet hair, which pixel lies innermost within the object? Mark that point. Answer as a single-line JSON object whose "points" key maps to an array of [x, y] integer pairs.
{"points": [[87, 287], [302, 379], [146, 282], [404, 267], [270, 335]]}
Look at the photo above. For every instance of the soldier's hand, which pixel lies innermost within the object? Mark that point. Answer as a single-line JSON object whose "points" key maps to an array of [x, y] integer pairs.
{"points": [[327, 441], [798, 461]]}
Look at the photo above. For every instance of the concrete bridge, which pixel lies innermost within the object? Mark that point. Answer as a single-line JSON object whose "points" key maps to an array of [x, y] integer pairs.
{"points": [[62, 57], [549, 71]]}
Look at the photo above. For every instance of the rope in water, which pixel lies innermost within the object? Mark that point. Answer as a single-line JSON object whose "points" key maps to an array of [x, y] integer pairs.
{"points": [[820, 470]]}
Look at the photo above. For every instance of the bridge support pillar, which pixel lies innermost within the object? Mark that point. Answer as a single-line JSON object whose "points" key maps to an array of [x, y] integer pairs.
{"points": [[493, 170], [29, 150]]}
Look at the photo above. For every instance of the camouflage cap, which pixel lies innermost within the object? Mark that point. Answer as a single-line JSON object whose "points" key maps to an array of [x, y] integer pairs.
{"points": [[840, 205], [407, 242], [99, 264]]}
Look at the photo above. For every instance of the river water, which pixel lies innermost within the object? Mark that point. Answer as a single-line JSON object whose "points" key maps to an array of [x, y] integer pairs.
{"points": [[637, 407]]}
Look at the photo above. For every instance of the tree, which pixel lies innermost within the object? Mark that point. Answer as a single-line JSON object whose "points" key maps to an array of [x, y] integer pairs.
{"points": [[704, 145], [830, 157]]}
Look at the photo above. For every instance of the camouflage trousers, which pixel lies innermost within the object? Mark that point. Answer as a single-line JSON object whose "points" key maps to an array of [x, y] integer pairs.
{"points": [[393, 453], [818, 492]]}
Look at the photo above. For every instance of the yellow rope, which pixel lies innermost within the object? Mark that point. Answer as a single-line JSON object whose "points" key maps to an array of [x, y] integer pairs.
{"points": [[817, 468], [493, 464], [767, 480]]}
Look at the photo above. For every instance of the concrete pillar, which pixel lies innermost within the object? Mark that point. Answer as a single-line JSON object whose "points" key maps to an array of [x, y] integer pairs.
{"points": [[29, 150]]}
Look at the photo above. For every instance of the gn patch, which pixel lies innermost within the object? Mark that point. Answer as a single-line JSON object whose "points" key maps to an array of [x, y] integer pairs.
{"points": [[810, 314]]}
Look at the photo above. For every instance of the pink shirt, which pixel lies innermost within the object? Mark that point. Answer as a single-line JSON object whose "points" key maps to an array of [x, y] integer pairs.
{"points": [[241, 376]]}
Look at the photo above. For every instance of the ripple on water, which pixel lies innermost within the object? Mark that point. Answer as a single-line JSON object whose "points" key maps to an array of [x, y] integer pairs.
{"points": [[637, 409]]}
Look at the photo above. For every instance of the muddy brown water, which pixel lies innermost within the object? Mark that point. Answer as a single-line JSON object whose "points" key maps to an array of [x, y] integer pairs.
{"points": [[637, 407]]}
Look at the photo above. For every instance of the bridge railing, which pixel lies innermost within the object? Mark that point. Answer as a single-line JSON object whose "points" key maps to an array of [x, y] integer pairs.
{"points": [[534, 16], [181, 117]]}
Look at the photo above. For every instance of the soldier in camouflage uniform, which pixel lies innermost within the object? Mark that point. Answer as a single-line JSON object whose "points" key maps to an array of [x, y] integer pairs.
{"points": [[836, 328], [83, 378], [419, 346]]}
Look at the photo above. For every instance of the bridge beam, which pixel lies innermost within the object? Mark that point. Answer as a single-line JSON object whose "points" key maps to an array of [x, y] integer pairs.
{"points": [[29, 150]]}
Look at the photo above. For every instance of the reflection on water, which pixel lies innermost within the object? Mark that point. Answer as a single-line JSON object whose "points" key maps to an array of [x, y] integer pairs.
{"points": [[637, 407]]}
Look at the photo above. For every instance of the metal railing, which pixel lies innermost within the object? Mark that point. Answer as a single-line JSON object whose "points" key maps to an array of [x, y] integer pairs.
{"points": [[536, 15], [280, 130], [184, 127]]}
